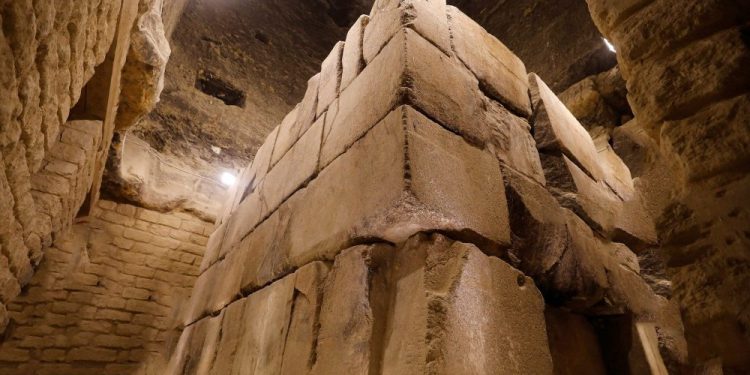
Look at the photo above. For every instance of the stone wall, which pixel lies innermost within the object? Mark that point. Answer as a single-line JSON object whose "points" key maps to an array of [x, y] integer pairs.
{"points": [[104, 298], [48, 52], [686, 73], [391, 219]]}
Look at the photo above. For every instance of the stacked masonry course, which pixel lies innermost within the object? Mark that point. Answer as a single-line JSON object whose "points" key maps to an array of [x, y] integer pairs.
{"points": [[689, 87], [104, 299], [47, 54], [404, 219]]}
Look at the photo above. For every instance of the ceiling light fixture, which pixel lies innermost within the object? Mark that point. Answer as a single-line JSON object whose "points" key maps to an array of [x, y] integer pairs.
{"points": [[228, 179], [609, 45]]}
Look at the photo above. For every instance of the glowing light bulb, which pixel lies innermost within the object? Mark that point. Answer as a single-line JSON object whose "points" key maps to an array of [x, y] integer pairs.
{"points": [[609, 45], [228, 179]]}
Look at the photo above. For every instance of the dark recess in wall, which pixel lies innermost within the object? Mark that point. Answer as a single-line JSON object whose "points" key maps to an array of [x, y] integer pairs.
{"points": [[210, 84]]}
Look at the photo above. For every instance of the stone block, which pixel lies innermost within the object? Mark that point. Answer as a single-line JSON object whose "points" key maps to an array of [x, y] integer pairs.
{"points": [[537, 222], [591, 200], [507, 306], [288, 135], [298, 166], [243, 220], [404, 72], [428, 18], [450, 186], [264, 325], [557, 130], [213, 247], [722, 130], [346, 318], [330, 79], [616, 173], [352, 60], [300, 346], [501, 74], [573, 344], [511, 141], [296, 122], [664, 88]]}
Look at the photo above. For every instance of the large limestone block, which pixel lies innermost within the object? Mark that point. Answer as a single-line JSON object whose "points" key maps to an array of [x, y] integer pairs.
{"points": [[298, 166], [262, 256], [557, 130], [299, 349], [427, 17], [537, 222], [482, 315], [511, 141], [663, 27], [405, 71], [352, 60], [407, 174], [616, 173], [713, 140], [306, 115], [591, 200], [211, 255], [262, 161], [288, 135], [194, 351], [330, 78], [346, 317], [500, 72]]}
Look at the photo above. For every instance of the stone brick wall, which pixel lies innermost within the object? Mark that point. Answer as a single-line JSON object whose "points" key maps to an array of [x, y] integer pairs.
{"points": [[404, 212], [685, 64], [48, 51], [104, 298]]}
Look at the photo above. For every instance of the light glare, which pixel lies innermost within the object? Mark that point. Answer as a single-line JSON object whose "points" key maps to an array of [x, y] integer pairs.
{"points": [[228, 179], [610, 46]]}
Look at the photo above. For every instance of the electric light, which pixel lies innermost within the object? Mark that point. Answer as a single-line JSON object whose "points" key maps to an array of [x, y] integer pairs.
{"points": [[228, 179]]}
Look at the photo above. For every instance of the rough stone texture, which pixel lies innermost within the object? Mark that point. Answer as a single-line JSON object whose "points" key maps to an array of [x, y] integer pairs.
{"points": [[500, 73], [400, 156], [142, 78], [686, 81], [106, 294], [49, 52]]}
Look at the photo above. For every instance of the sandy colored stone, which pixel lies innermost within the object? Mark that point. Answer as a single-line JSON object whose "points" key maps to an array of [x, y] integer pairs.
{"points": [[300, 346], [288, 135], [591, 200], [245, 218], [404, 72], [346, 320], [266, 317], [500, 72], [213, 247], [556, 130], [298, 166], [511, 141], [427, 18], [330, 78], [616, 174], [352, 60], [466, 288], [721, 131], [538, 225]]}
